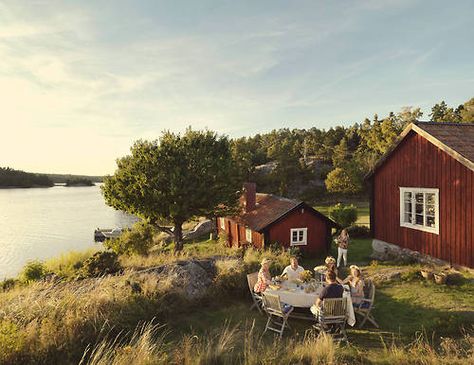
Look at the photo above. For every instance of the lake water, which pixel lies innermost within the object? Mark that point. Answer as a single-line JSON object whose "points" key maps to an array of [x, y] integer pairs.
{"points": [[42, 223]]}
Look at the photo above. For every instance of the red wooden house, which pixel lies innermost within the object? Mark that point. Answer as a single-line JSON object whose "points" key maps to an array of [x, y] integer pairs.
{"points": [[422, 192], [268, 219]]}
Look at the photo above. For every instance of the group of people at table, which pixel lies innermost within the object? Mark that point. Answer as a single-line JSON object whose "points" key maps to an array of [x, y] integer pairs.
{"points": [[333, 287]]}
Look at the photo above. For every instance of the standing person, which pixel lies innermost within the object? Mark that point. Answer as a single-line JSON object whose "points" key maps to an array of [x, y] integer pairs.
{"points": [[342, 246], [264, 277], [293, 270]]}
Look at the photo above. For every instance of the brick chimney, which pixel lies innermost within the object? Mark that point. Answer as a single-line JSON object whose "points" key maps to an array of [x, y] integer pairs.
{"points": [[250, 196]]}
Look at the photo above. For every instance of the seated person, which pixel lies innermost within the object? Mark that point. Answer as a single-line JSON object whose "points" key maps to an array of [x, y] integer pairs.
{"points": [[264, 277], [331, 290], [293, 270], [330, 263], [356, 284]]}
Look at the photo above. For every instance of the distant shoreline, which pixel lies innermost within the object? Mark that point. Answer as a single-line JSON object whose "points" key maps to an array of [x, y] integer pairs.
{"points": [[27, 187]]}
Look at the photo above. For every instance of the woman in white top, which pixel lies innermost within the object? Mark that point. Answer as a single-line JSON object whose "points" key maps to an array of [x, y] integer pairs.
{"points": [[293, 270]]}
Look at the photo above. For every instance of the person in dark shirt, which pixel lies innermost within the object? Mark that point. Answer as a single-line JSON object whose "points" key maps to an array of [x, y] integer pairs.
{"points": [[331, 290]]}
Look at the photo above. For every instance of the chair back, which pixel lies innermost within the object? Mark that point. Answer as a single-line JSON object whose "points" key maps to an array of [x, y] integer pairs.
{"points": [[271, 303], [369, 290], [334, 307], [252, 280]]}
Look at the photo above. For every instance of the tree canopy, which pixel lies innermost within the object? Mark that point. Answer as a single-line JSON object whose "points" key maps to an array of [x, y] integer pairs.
{"points": [[173, 179]]}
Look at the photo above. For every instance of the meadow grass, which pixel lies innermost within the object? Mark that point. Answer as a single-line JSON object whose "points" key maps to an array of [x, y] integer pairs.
{"points": [[105, 321]]}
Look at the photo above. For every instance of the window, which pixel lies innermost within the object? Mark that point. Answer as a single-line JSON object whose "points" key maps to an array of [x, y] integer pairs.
{"points": [[419, 209], [248, 235], [222, 220], [298, 236]]}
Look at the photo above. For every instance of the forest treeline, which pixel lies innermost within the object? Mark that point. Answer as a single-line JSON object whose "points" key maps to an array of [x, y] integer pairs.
{"points": [[310, 163], [21, 179]]}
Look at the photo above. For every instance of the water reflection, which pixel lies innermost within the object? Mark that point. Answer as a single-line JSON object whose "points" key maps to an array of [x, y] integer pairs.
{"points": [[41, 223]]}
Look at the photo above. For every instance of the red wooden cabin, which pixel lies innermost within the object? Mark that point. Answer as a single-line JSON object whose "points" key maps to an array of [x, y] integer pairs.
{"points": [[422, 192], [268, 219]]}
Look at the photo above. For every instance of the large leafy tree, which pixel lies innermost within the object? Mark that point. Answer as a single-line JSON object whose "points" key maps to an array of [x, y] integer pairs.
{"points": [[173, 179]]}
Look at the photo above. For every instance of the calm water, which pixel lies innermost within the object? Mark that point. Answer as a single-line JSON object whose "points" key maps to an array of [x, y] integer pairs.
{"points": [[42, 223]]}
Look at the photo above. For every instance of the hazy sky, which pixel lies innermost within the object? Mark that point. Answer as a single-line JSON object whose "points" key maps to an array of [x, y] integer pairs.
{"points": [[79, 81]]}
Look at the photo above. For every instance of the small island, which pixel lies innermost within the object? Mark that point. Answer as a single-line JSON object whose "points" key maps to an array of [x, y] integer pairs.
{"points": [[79, 182], [10, 178]]}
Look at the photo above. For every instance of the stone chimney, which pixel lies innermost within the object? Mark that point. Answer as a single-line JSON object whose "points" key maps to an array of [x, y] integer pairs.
{"points": [[250, 196]]}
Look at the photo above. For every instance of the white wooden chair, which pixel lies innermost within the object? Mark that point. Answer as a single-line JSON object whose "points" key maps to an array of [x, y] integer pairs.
{"points": [[365, 308], [332, 318], [277, 314], [256, 298]]}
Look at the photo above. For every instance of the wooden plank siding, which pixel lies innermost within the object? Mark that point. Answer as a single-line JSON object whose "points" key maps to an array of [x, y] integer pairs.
{"points": [[317, 233], [416, 162]]}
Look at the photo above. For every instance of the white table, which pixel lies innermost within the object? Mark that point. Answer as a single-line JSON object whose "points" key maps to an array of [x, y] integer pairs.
{"points": [[297, 297]]}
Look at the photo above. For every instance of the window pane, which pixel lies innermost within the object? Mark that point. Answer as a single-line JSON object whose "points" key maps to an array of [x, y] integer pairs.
{"points": [[407, 196], [419, 197], [301, 237], [430, 221], [419, 219], [430, 198], [430, 210], [407, 218], [418, 208], [407, 207], [295, 236]]}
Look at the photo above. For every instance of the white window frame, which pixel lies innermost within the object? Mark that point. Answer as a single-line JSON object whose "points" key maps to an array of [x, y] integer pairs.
{"points": [[248, 235], [413, 225], [222, 220], [299, 242]]}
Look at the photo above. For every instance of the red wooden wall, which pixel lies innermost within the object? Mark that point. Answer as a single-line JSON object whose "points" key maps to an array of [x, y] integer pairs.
{"points": [[318, 230], [236, 234], [416, 162]]}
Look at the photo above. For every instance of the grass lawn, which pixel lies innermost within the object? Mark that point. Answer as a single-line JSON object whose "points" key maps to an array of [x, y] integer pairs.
{"points": [[362, 212], [404, 307]]}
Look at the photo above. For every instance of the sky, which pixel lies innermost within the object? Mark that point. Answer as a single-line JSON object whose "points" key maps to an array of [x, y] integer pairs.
{"points": [[81, 80]]}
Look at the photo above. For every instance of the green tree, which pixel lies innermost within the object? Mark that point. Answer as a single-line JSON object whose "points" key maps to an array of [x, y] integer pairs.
{"points": [[467, 111], [173, 179], [442, 113], [341, 154], [344, 180]]}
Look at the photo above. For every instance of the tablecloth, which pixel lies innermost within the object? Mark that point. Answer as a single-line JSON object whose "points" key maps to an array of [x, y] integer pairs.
{"points": [[298, 298]]}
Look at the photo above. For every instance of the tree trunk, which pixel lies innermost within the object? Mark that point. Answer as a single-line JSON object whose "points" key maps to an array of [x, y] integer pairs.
{"points": [[178, 237], [214, 232]]}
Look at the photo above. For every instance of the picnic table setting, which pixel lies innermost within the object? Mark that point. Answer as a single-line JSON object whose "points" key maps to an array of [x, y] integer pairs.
{"points": [[303, 293], [319, 295]]}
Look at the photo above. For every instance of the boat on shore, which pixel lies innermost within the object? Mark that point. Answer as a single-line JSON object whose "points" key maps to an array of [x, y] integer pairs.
{"points": [[101, 234]]}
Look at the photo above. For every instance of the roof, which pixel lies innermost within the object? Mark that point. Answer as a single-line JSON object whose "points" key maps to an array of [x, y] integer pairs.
{"points": [[456, 139], [271, 208]]}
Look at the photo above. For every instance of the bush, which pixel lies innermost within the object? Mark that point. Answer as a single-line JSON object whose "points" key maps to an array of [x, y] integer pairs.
{"points": [[11, 343], [7, 284], [357, 231], [33, 271], [137, 241], [344, 215], [344, 180], [68, 264], [101, 263]]}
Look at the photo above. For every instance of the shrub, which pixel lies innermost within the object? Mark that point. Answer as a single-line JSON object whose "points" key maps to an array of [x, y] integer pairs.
{"points": [[344, 180], [344, 215], [357, 231], [11, 343], [7, 284], [101, 263], [138, 240], [33, 271], [68, 264]]}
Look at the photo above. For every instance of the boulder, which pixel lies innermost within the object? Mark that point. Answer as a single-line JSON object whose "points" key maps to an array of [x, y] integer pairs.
{"points": [[202, 228], [192, 277]]}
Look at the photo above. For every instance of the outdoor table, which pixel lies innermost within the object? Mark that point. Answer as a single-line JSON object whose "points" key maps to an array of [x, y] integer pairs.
{"points": [[295, 296]]}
